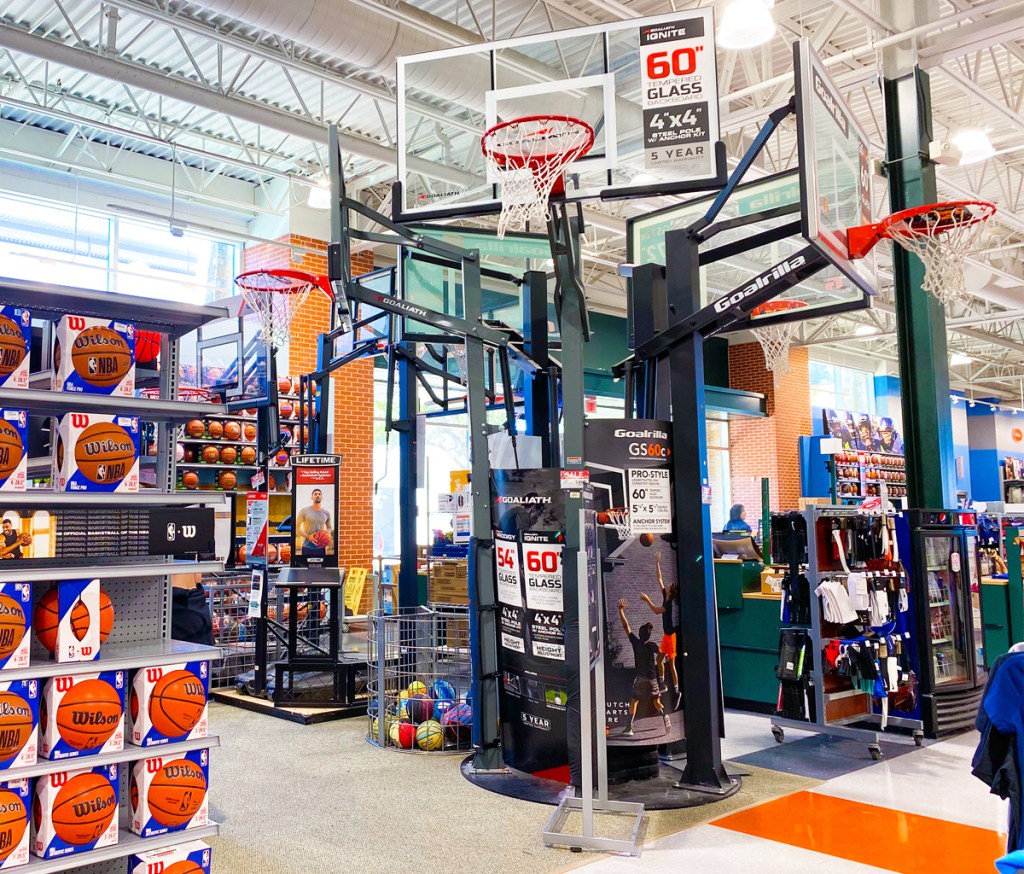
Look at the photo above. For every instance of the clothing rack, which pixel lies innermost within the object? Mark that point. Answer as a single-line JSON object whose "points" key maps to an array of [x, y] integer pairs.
{"points": [[811, 676]]}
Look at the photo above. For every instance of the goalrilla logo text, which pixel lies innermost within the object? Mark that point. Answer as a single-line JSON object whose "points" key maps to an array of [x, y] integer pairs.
{"points": [[777, 272]]}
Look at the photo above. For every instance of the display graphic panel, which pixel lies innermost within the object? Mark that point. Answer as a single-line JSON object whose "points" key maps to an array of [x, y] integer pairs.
{"points": [[863, 431], [315, 510], [648, 87]]}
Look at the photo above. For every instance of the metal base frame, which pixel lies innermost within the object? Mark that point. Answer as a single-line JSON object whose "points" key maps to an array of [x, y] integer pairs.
{"points": [[555, 835]]}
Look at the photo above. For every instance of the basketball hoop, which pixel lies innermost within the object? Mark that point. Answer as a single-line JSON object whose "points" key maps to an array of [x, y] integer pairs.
{"points": [[459, 354], [275, 296], [527, 155], [776, 339], [618, 518], [940, 234]]}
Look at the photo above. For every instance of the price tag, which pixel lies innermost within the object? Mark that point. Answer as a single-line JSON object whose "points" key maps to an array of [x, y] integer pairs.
{"points": [[650, 500], [542, 573], [255, 594], [506, 559]]}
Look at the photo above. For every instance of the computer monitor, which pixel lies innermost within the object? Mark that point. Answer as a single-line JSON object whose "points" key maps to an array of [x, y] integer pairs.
{"points": [[743, 548]]}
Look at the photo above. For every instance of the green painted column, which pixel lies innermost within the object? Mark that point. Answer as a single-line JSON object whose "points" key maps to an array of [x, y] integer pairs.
{"points": [[1014, 584], [920, 318]]}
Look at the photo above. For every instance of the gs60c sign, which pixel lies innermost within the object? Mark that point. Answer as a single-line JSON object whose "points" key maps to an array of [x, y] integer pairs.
{"points": [[649, 450]]}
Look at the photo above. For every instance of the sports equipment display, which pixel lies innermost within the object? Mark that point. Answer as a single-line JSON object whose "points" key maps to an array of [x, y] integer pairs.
{"points": [[13, 822], [232, 430], [286, 409], [430, 735], [403, 734], [45, 618], [228, 455], [176, 793], [195, 428], [420, 708], [12, 627], [618, 518], [227, 480], [89, 713], [281, 458], [147, 346], [105, 452], [183, 867], [249, 431], [16, 723], [284, 384], [215, 429], [776, 338], [106, 616], [12, 347], [177, 703], [284, 553], [80, 620], [416, 688], [940, 234], [443, 690], [83, 809], [528, 156], [458, 722], [274, 296], [101, 357], [190, 479], [248, 455], [210, 455], [12, 449]]}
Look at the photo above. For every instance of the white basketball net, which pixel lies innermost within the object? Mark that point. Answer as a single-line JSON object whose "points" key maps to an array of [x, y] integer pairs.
{"points": [[942, 245], [619, 520], [459, 354], [527, 156], [775, 340], [274, 299]]}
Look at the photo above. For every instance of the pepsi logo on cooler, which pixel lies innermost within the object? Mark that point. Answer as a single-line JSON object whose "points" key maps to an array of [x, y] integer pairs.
{"points": [[94, 356]]}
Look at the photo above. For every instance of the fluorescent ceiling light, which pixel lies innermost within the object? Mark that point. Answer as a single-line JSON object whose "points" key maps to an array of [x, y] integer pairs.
{"points": [[320, 195], [958, 359], [745, 24], [974, 146], [865, 330]]}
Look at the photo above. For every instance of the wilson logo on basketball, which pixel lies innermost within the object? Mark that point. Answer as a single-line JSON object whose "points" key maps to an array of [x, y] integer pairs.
{"points": [[194, 689], [95, 805], [82, 717], [7, 709], [110, 444], [173, 772]]}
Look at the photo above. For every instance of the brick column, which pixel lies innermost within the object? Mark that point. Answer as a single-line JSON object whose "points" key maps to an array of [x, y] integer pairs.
{"points": [[352, 400], [768, 447]]}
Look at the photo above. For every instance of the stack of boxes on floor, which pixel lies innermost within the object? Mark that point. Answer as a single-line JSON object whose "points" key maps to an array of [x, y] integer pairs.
{"points": [[75, 717]]}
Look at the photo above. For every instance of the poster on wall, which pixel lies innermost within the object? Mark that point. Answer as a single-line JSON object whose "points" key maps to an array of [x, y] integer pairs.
{"points": [[630, 475], [314, 510], [863, 432], [528, 519]]}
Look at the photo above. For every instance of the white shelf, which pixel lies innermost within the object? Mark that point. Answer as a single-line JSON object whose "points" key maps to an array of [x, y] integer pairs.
{"points": [[119, 657], [127, 845], [147, 567], [130, 753], [49, 498], [57, 403]]}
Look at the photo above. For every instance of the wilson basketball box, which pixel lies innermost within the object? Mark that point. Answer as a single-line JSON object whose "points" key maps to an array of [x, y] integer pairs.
{"points": [[19, 720], [13, 449], [168, 703], [82, 715], [192, 857], [94, 356], [69, 625], [15, 624], [74, 811], [15, 801], [169, 794], [96, 453], [15, 345]]}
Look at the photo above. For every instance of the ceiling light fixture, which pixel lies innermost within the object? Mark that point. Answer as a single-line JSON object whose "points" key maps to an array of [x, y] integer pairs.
{"points": [[320, 195], [974, 146], [958, 359], [865, 330], [746, 24]]}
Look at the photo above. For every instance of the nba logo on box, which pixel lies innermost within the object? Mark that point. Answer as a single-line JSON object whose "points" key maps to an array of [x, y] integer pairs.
{"points": [[94, 356], [192, 857], [168, 703], [15, 343], [82, 715], [97, 453], [75, 811], [13, 449]]}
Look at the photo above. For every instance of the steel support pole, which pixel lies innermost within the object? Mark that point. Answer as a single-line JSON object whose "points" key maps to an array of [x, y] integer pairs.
{"points": [[408, 479], [536, 395]]}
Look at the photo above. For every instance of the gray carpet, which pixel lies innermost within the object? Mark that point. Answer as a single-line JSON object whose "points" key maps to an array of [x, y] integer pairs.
{"points": [[294, 799]]}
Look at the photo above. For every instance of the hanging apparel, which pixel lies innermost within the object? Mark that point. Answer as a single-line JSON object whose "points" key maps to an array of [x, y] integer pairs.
{"points": [[857, 586], [835, 603]]}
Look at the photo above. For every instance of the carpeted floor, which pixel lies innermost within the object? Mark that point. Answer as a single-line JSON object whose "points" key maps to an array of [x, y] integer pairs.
{"points": [[317, 799]]}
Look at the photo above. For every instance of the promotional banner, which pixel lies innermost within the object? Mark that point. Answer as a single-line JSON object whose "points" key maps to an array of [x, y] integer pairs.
{"points": [[528, 518], [257, 515], [628, 460], [314, 510], [862, 431]]}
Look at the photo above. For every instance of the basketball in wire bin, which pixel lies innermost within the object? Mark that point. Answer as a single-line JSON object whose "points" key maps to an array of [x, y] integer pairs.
{"points": [[421, 702]]}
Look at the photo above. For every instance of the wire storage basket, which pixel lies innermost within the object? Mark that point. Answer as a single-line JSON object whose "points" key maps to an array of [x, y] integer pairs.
{"points": [[419, 679]]}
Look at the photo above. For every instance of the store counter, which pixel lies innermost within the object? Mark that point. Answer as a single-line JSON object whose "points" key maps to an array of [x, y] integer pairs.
{"points": [[748, 627], [1002, 602]]}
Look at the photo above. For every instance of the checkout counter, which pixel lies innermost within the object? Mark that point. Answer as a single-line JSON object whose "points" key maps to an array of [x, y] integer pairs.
{"points": [[1001, 599], [749, 606]]}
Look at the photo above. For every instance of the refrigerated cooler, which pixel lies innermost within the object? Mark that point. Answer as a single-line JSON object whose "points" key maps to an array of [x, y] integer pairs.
{"points": [[945, 583]]}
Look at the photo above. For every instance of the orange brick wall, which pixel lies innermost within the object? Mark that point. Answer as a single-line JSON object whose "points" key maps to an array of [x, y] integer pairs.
{"points": [[768, 447], [352, 399]]}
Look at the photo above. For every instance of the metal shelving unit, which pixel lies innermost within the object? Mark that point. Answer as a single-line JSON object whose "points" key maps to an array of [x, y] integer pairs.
{"points": [[130, 753], [139, 588]]}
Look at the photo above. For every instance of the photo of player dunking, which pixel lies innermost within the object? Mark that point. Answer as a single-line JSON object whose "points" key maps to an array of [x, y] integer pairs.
{"points": [[669, 628], [313, 526], [645, 677], [12, 541]]}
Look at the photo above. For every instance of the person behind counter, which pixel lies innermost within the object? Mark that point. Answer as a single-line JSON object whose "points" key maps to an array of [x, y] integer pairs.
{"points": [[737, 519]]}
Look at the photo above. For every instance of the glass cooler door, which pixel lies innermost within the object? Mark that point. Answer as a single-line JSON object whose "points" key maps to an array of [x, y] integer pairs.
{"points": [[951, 636]]}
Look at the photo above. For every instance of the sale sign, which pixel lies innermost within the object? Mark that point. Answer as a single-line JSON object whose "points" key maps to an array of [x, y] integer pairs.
{"points": [[680, 93]]}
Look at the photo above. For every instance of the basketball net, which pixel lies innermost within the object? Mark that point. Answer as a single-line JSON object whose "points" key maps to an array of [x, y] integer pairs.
{"points": [[459, 354], [274, 298], [777, 339], [527, 156], [619, 520]]}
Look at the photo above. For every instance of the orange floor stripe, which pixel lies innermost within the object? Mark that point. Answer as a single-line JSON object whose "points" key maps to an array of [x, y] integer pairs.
{"points": [[878, 836]]}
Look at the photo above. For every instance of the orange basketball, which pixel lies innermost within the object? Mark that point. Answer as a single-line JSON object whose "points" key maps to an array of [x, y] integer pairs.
{"points": [[11, 449], [232, 430], [133, 792], [177, 703], [80, 620], [229, 455], [286, 409], [281, 458], [271, 483], [101, 357], [249, 431], [248, 455], [647, 539], [12, 347], [227, 480], [12, 626], [106, 616], [250, 411], [89, 714], [284, 384], [284, 552], [271, 553], [105, 453], [13, 822], [190, 479], [83, 809], [185, 867], [133, 704], [15, 724], [45, 620], [215, 430], [176, 793], [241, 554], [196, 428], [211, 455]]}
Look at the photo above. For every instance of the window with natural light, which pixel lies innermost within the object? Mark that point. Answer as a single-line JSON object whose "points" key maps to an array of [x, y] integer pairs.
{"points": [[841, 388]]}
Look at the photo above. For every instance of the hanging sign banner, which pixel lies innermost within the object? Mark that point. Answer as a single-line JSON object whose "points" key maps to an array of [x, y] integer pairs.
{"points": [[315, 509]]}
